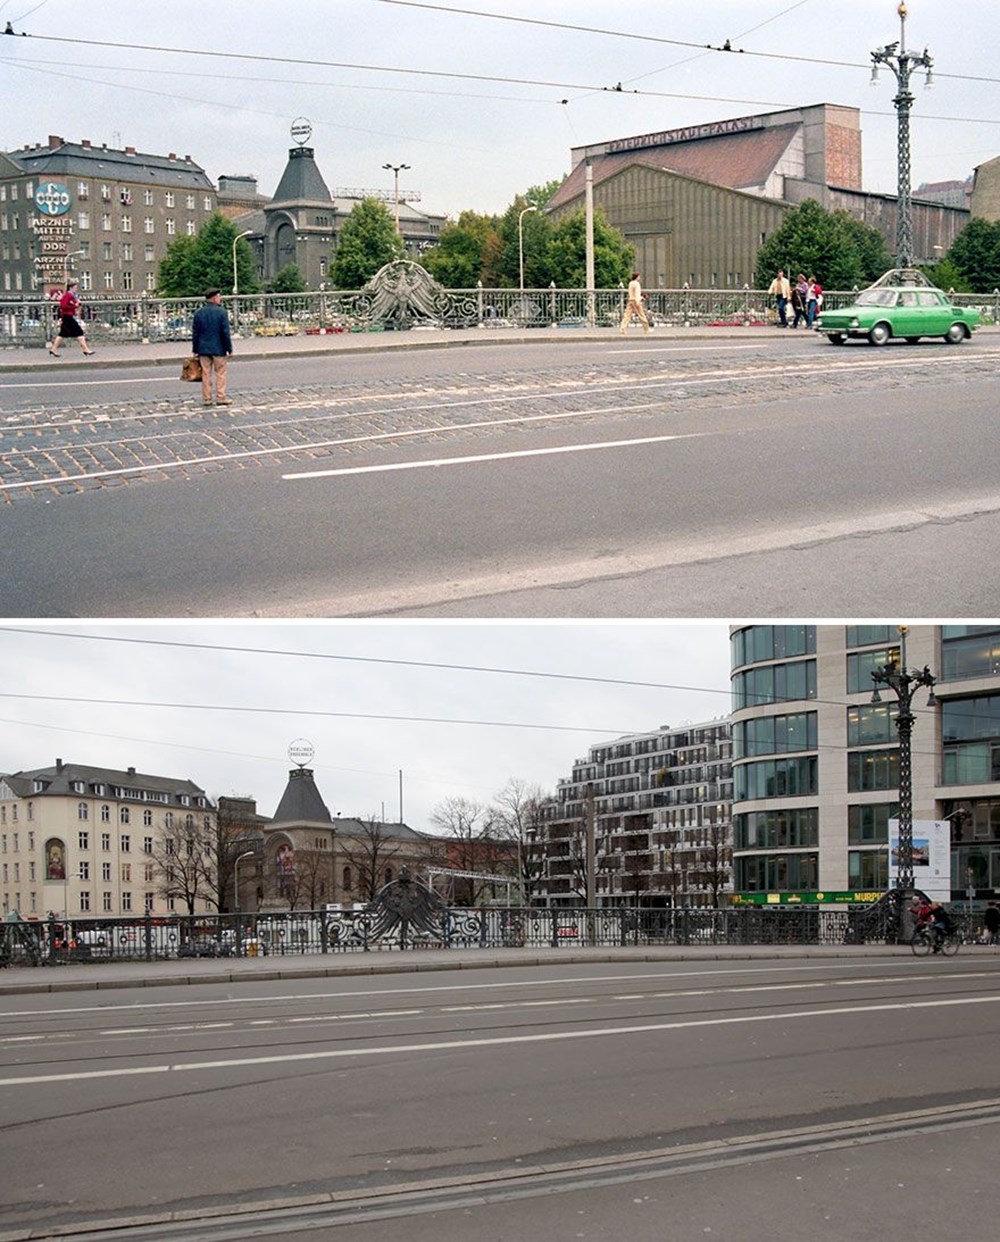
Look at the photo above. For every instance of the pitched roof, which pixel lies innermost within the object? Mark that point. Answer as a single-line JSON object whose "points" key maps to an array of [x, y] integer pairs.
{"points": [[58, 781], [301, 180], [82, 159], [733, 160], [301, 802]]}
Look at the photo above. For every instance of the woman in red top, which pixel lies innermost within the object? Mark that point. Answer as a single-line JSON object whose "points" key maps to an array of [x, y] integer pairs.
{"points": [[70, 326]]}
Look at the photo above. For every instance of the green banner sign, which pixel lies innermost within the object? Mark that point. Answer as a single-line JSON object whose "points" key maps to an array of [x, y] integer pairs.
{"points": [[850, 897]]}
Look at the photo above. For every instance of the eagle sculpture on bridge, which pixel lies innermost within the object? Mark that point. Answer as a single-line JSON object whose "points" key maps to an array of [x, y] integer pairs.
{"points": [[406, 904]]}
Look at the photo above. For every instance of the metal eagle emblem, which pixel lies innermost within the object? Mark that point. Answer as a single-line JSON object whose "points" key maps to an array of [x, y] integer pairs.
{"points": [[408, 905]]}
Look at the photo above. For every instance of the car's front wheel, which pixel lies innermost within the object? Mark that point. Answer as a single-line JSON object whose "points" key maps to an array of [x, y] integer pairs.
{"points": [[879, 334], [955, 334], [835, 338]]}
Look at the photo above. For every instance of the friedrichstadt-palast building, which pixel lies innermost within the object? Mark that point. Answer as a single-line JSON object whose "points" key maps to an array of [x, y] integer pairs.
{"points": [[697, 202]]}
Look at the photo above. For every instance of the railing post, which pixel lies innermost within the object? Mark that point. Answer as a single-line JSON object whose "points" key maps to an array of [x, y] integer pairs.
{"points": [[147, 935], [52, 938], [553, 320]]}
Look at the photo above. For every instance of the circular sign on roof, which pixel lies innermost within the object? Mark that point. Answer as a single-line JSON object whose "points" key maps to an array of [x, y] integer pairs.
{"points": [[301, 752], [52, 199], [301, 130]]}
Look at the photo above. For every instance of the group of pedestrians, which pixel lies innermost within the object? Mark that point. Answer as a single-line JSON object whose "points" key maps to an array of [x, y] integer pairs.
{"points": [[805, 298]]}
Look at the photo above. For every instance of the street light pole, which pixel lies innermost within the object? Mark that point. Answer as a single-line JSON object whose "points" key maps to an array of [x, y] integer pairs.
{"points": [[236, 279], [900, 61], [903, 683], [236, 878], [396, 169], [520, 242]]}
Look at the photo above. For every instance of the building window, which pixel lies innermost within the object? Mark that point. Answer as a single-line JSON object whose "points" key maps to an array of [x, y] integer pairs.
{"points": [[106, 193], [124, 815], [147, 224], [150, 252], [105, 814], [870, 724], [83, 220], [84, 901], [126, 901], [190, 202], [148, 903], [147, 198], [106, 872], [761, 873], [125, 843], [82, 810], [774, 683], [83, 871], [106, 251], [86, 281], [872, 769], [868, 824], [82, 189], [106, 902], [168, 198], [105, 841], [207, 203], [775, 778], [860, 667], [774, 735], [126, 252], [868, 635], [190, 228], [148, 873], [126, 224], [109, 280], [106, 221], [150, 281], [126, 282], [776, 830], [969, 651], [868, 869], [171, 226], [347, 880], [759, 643], [126, 873], [970, 730], [83, 840]]}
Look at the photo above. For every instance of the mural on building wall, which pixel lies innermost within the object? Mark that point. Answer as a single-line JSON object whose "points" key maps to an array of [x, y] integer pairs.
{"points": [[55, 860]]}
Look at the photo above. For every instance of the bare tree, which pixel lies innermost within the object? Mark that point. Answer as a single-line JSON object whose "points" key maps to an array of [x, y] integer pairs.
{"points": [[186, 862], [517, 817], [476, 848], [368, 854]]}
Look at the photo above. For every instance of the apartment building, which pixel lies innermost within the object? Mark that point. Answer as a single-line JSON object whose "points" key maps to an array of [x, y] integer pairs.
{"points": [[816, 763], [81, 840], [101, 215], [658, 805]]}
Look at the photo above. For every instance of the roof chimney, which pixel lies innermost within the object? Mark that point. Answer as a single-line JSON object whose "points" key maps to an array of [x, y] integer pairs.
{"points": [[131, 771], [59, 765], [172, 155], [85, 143], [55, 140], [130, 150]]}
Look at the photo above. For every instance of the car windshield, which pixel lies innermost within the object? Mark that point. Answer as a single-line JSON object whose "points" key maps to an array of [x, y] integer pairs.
{"points": [[877, 297]]}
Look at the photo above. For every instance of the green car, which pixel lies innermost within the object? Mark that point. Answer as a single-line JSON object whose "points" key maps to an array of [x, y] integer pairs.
{"points": [[902, 303]]}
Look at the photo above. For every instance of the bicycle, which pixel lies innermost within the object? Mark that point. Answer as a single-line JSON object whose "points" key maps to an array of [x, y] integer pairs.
{"points": [[926, 939]]}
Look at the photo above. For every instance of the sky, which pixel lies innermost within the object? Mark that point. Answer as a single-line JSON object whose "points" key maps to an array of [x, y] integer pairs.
{"points": [[487, 106], [225, 719]]}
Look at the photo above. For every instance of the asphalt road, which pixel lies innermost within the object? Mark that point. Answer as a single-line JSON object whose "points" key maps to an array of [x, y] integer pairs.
{"points": [[681, 1100], [768, 476]]}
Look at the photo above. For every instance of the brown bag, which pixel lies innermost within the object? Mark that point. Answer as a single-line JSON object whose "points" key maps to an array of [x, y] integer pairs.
{"points": [[191, 370]]}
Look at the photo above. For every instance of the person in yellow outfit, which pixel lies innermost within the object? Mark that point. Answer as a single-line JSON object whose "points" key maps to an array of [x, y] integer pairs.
{"points": [[634, 306]]}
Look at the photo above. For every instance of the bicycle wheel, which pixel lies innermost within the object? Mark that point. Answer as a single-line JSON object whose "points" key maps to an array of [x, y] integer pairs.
{"points": [[951, 943], [920, 943]]}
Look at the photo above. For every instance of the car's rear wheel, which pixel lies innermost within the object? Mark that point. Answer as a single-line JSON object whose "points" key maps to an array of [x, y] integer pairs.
{"points": [[879, 334], [835, 338], [955, 334]]}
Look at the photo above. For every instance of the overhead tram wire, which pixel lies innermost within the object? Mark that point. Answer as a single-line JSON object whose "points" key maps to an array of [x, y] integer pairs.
{"points": [[724, 49]]}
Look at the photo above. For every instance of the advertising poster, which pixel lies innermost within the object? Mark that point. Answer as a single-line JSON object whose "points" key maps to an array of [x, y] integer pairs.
{"points": [[931, 857]]}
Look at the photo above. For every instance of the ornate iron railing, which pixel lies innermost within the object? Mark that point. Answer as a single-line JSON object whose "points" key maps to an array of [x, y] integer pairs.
{"points": [[55, 941]]}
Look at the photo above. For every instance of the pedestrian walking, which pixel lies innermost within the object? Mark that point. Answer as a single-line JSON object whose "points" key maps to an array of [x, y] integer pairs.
{"points": [[781, 290], [800, 298], [70, 327], [991, 921], [814, 300], [634, 306], [212, 341]]}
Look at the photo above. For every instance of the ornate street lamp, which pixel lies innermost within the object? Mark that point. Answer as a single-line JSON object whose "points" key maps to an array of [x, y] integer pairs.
{"points": [[903, 683], [520, 242], [900, 61]]}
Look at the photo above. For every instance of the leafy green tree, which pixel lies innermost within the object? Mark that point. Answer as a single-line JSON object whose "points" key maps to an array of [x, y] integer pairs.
{"points": [[947, 275], [976, 254], [368, 241], [539, 195], [457, 260], [534, 232], [193, 264], [567, 253], [288, 280], [831, 245]]}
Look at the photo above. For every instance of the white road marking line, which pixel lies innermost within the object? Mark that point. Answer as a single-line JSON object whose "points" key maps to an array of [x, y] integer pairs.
{"points": [[391, 467], [616, 1032]]}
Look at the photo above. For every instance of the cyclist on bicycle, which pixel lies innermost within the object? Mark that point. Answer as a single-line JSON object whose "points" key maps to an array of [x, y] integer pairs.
{"points": [[941, 924]]}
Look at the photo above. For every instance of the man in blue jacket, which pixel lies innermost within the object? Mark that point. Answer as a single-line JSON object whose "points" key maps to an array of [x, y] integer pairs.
{"points": [[212, 341]]}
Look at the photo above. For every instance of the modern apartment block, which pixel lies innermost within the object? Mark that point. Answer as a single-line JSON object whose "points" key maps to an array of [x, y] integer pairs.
{"points": [[77, 840], [659, 807], [816, 762]]}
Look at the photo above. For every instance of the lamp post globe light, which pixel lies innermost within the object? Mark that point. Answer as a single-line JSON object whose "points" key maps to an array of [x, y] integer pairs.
{"points": [[904, 683], [396, 169], [236, 279], [520, 242], [236, 877], [901, 62]]}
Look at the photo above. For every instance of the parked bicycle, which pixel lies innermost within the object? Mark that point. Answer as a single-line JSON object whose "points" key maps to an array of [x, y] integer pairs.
{"points": [[929, 939]]}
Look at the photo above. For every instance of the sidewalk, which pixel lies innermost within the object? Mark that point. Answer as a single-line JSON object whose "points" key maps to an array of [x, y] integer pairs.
{"points": [[172, 353], [100, 976]]}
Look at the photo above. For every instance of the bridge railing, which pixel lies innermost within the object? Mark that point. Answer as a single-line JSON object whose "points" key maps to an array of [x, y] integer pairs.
{"points": [[152, 938]]}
